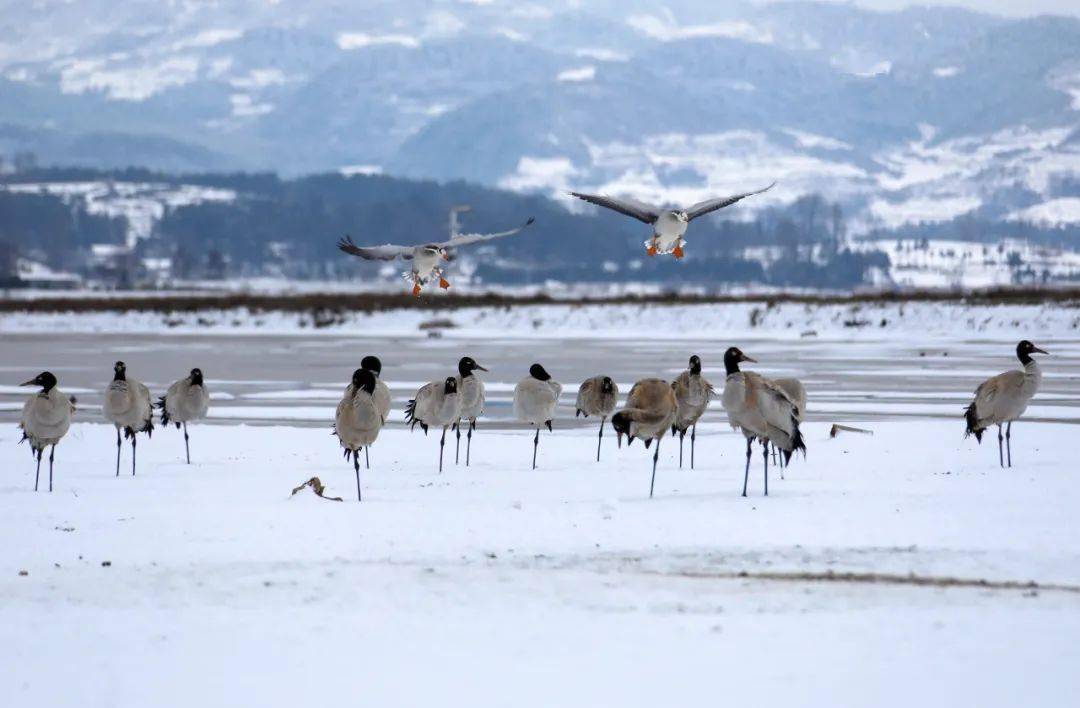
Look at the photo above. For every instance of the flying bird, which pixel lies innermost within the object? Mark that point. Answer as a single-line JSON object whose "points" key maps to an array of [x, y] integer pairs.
{"points": [[426, 258], [669, 225]]}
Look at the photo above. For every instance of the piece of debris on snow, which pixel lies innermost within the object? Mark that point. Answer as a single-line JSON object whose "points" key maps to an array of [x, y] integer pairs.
{"points": [[316, 486], [836, 428]]}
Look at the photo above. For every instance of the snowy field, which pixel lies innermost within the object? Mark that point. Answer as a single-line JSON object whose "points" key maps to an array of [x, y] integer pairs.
{"points": [[904, 568]]}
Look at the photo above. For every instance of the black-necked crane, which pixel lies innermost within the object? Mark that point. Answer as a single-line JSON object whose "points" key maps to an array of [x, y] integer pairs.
{"points": [[1004, 398], [186, 401], [471, 389], [597, 396], [46, 418], [692, 392], [761, 410], [649, 413], [797, 393], [382, 391], [535, 398], [127, 406], [435, 404], [358, 420]]}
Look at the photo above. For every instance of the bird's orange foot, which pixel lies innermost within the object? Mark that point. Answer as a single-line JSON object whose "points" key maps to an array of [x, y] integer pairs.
{"points": [[678, 252], [443, 283], [652, 250], [416, 289]]}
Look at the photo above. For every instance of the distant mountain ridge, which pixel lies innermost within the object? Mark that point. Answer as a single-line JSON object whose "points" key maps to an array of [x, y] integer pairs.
{"points": [[918, 116]]}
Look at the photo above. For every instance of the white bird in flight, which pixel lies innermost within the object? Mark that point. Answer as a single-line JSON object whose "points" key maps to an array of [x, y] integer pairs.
{"points": [[669, 225], [425, 257]]}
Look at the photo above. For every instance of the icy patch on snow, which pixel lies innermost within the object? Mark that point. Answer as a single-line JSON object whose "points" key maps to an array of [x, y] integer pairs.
{"points": [[600, 54], [812, 140], [540, 173], [583, 73], [350, 170], [128, 83], [143, 204], [359, 40], [1055, 212], [207, 38], [944, 72], [666, 29], [921, 210]]}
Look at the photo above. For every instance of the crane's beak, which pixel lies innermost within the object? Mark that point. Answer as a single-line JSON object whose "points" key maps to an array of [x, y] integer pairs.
{"points": [[618, 435], [1039, 351], [481, 368], [31, 382], [749, 359]]}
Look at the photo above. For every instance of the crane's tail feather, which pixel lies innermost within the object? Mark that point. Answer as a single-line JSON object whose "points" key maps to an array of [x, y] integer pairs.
{"points": [[973, 428]]}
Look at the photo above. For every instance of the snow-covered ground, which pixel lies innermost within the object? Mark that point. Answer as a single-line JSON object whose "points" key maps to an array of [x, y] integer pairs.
{"points": [[567, 585], [707, 321]]}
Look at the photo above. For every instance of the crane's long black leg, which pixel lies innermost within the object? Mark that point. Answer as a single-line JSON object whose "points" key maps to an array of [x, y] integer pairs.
{"points": [[1001, 455], [693, 436], [600, 438], [468, 441], [1008, 441], [134, 439], [457, 449], [765, 456], [187, 449], [38, 473], [356, 468], [746, 474], [118, 452], [536, 443], [655, 457], [52, 453], [682, 434], [442, 444], [367, 460]]}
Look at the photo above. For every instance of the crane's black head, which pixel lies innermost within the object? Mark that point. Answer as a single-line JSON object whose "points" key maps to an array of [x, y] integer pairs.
{"points": [[450, 385], [607, 385], [45, 379], [732, 357], [119, 371], [196, 377], [363, 380], [1025, 349], [372, 364], [538, 372], [621, 423], [466, 366], [695, 364]]}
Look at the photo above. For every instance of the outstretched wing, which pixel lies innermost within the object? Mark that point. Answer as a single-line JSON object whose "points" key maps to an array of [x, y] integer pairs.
{"points": [[466, 239], [386, 252], [631, 207], [710, 205]]}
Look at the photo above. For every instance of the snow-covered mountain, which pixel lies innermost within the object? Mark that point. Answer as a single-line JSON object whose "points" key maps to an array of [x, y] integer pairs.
{"points": [[920, 115]]}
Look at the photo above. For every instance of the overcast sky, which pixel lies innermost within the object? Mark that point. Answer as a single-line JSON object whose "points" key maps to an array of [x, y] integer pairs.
{"points": [[1013, 8]]}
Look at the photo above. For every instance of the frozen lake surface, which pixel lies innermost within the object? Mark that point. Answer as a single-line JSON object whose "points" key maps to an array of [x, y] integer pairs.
{"points": [[886, 570]]}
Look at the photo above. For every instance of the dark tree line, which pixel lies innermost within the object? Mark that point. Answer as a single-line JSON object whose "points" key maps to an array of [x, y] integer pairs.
{"points": [[290, 227]]}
